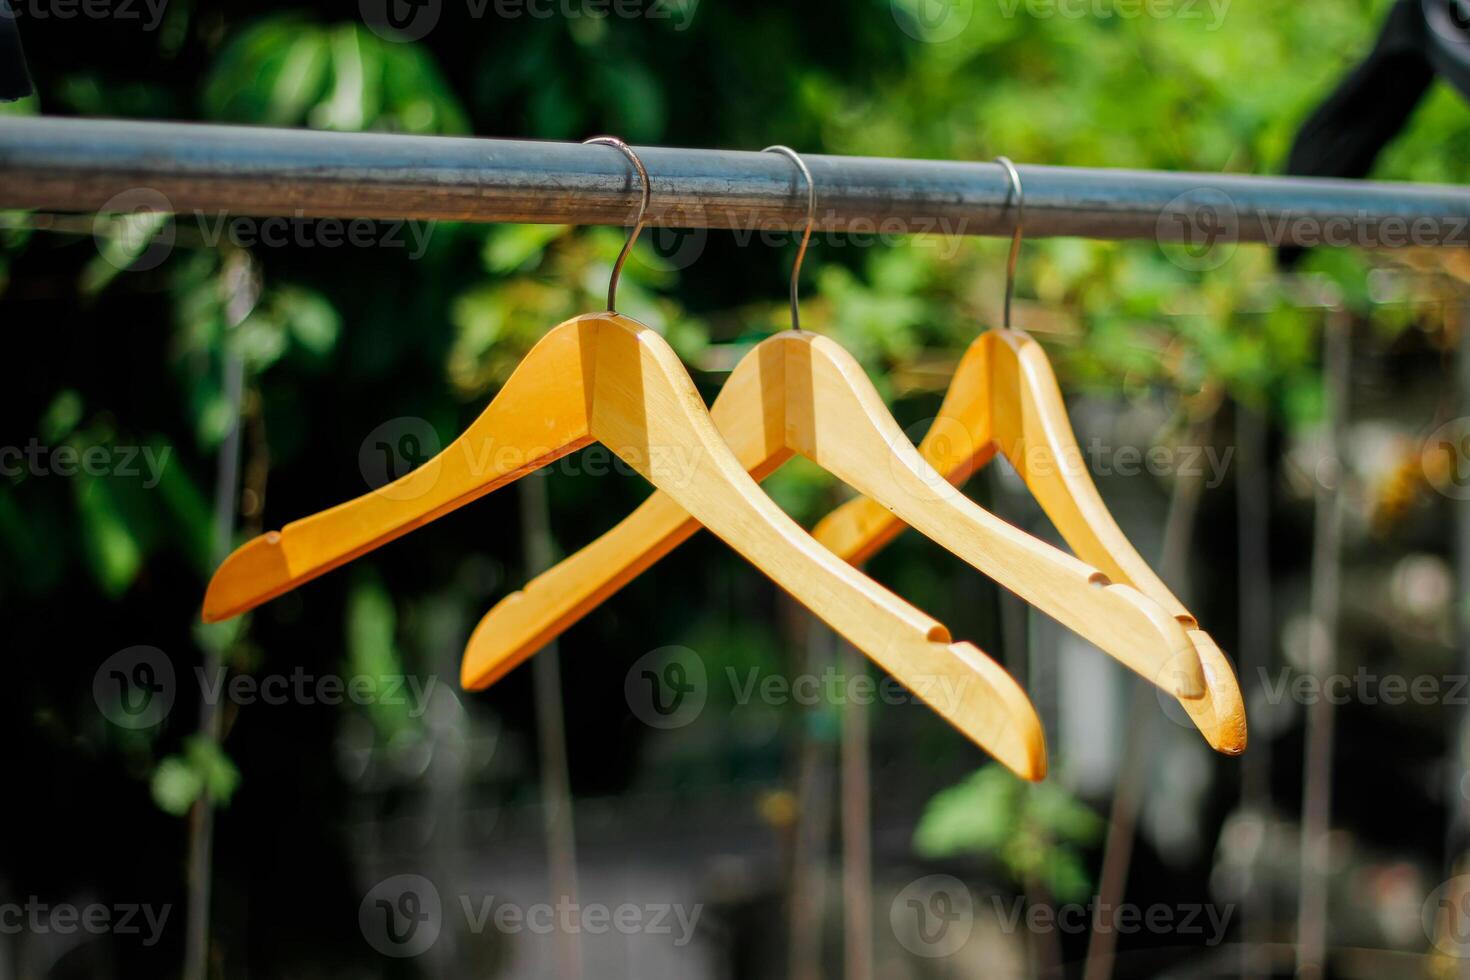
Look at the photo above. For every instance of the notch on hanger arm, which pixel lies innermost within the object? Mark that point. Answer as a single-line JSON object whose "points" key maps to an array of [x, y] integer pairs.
{"points": [[831, 414], [802, 393], [607, 378], [1005, 398]]}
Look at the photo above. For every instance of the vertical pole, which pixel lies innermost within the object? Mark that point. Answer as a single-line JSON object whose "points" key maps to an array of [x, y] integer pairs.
{"points": [[813, 802], [1312, 912], [857, 828], [1457, 834], [238, 278], [551, 740], [1128, 796], [1253, 520]]}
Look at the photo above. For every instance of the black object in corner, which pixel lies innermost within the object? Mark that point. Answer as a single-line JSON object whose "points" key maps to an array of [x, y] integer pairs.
{"points": [[1343, 137], [14, 82]]}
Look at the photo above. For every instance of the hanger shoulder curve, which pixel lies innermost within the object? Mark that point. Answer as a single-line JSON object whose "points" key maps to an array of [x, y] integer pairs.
{"points": [[609, 378], [1071, 500], [800, 392], [1022, 376], [1005, 396], [539, 415], [524, 621], [837, 419]]}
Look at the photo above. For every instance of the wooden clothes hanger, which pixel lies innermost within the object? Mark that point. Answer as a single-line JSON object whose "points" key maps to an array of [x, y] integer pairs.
{"points": [[607, 378], [1005, 398], [801, 393]]}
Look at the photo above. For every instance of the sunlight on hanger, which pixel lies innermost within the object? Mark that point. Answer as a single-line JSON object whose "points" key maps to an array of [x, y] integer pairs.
{"points": [[1005, 398], [605, 377], [800, 393]]}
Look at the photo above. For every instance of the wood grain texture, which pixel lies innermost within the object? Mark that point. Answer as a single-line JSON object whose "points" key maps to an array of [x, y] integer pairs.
{"points": [[605, 377], [802, 393], [1005, 398]]}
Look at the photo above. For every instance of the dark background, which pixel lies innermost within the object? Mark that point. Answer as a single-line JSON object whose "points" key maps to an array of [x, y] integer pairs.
{"points": [[112, 342]]}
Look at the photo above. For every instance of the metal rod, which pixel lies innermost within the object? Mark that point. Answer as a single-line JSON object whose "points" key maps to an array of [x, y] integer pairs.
{"points": [[82, 164], [1313, 900]]}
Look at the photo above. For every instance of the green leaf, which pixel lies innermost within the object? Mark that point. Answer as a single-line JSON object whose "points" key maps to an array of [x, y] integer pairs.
{"points": [[310, 317], [175, 786], [115, 556], [371, 651], [181, 780], [510, 247], [61, 416]]}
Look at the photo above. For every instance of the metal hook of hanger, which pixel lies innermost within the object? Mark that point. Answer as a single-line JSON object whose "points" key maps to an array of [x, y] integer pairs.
{"points": [[627, 151], [811, 213], [1015, 177]]}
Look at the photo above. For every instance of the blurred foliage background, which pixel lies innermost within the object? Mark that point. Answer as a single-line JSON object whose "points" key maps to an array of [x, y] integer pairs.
{"points": [[121, 334]]}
